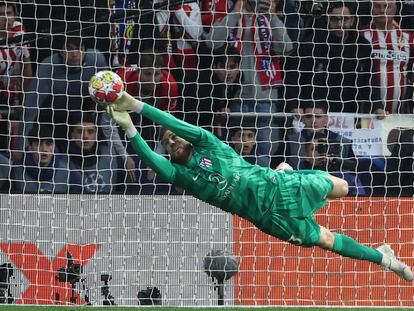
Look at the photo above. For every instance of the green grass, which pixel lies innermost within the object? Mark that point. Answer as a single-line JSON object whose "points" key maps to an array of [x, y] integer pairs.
{"points": [[64, 308]]}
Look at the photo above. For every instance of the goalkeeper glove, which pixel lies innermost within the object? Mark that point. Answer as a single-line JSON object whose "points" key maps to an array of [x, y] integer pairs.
{"points": [[123, 119], [128, 103]]}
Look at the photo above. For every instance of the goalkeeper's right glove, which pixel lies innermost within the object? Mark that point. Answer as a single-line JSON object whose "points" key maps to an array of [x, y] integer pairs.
{"points": [[123, 119], [128, 103]]}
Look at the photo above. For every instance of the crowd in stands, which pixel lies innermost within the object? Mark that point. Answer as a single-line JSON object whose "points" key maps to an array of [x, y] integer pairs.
{"points": [[262, 75]]}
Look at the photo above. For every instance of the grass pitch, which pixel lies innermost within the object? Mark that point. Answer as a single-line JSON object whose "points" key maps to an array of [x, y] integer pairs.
{"points": [[65, 308]]}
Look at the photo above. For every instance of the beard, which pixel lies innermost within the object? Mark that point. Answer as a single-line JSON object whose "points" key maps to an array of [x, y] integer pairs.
{"points": [[183, 154]]}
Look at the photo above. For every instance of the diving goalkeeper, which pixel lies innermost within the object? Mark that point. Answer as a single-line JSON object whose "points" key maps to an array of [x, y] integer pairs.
{"points": [[279, 202]]}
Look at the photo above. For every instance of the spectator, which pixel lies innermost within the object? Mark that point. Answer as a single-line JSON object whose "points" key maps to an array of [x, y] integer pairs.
{"points": [[315, 120], [208, 94], [215, 10], [132, 33], [336, 67], [149, 81], [212, 11], [44, 170], [392, 54], [261, 37], [152, 84], [65, 73], [15, 62], [181, 30], [60, 86], [61, 81], [46, 20], [322, 154], [317, 147], [243, 138], [93, 165], [15, 67]]}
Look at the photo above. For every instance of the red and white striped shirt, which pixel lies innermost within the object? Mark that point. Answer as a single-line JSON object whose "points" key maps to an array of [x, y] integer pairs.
{"points": [[392, 55], [188, 29], [11, 64]]}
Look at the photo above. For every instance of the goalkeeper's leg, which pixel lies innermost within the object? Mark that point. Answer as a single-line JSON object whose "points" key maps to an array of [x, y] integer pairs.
{"points": [[348, 247]]}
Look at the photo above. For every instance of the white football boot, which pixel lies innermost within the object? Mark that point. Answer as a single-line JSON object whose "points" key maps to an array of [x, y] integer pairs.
{"points": [[391, 263]]}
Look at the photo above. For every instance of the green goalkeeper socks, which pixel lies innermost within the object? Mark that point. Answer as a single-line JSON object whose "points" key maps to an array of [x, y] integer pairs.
{"points": [[348, 247]]}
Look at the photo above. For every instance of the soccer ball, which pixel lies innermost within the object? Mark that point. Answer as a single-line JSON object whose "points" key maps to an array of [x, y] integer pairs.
{"points": [[105, 87]]}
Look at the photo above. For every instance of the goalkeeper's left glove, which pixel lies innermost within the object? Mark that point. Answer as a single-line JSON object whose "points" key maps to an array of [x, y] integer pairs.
{"points": [[128, 103], [123, 119]]}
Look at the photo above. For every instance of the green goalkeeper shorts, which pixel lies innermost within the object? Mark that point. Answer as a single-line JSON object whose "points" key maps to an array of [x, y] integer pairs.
{"points": [[299, 231], [301, 194]]}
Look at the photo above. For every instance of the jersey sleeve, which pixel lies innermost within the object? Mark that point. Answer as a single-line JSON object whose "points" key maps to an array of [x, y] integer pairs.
{"points": [[162, 166], [187, 131]]}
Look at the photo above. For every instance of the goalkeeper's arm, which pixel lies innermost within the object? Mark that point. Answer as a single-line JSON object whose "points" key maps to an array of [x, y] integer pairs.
{"points": [[158, 163], [189, 132]]}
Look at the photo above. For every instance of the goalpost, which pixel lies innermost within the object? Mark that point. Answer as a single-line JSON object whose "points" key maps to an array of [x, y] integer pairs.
{"points": [[93, 225]]}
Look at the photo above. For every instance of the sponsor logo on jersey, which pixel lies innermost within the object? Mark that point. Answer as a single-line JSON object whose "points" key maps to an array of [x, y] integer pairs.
{"points": [[230, 188], [391, 55], [205, 162]]}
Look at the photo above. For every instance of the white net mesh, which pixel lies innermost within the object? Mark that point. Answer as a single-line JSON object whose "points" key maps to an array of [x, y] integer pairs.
{"points": [[324, 85]]}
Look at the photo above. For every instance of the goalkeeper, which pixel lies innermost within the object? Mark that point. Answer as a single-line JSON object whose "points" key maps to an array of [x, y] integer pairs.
{"points": [[280, 203]]}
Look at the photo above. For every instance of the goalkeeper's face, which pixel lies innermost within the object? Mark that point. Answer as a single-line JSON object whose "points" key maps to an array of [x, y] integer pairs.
{"points": [[179, 149]]}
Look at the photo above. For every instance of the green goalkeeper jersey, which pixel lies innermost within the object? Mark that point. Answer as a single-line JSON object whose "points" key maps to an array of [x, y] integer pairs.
{"points": [[216, 174]]}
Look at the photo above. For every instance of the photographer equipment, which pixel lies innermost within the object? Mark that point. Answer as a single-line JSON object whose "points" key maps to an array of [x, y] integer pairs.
{"points": [[324, 146], [6, 272], [314, 8], [71, 274], [86, 291], [151, 296], [331, 148], [312, 13], [108, 298], [317, 9], [220, 267]]}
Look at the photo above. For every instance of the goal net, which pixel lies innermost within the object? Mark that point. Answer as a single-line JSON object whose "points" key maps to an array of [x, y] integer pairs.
{"points": [[319, 85]]}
